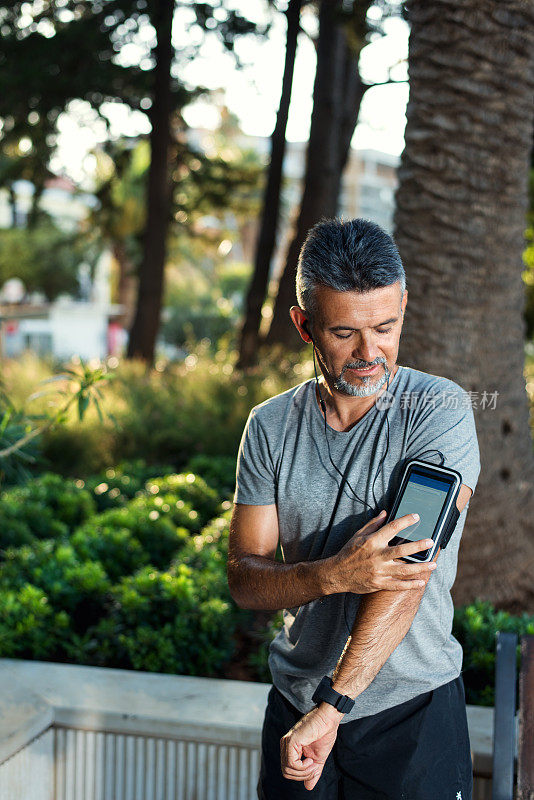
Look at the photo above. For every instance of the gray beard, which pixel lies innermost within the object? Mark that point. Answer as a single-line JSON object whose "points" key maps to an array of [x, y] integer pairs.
{"points": [[367, 385]]}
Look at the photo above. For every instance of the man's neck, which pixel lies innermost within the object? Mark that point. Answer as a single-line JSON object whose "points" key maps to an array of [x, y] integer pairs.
{"points": [[343, 411]]}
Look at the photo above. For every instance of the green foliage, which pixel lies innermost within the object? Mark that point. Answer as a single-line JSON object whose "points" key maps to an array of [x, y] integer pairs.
{"points": [[114, 486], [29, 627], [475, 626], [156, 535], [45, 258], [44, 508], [198, 407], [79, 385], [71, 585], [189, 488], [141, 585], [177, 620], [217, 471]]}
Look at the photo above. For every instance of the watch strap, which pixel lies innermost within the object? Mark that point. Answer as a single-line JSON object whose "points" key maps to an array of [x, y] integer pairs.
{"points": [[325, 693]]}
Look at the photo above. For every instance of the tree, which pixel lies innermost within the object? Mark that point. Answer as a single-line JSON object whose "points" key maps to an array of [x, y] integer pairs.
{"points": [[460, 223], [74, 50], [145, 325], [337, 96], [266, 240]]}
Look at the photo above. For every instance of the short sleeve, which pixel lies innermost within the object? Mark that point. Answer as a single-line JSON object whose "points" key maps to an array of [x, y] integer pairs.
{"points": [[444, 421], [255, 474]]}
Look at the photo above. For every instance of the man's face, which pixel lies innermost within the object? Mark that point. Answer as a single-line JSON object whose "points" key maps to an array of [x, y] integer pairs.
{"points": [[354, 331]]}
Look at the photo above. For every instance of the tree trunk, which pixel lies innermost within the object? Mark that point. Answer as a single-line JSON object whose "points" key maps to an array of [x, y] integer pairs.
{"points": [[13, 203], [336, 104], [126, 284], [460, 222], [271, 202], [145, 327]]}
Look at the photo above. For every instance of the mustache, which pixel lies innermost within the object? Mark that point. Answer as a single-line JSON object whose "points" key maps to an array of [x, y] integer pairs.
{"points": [[360, 365]]}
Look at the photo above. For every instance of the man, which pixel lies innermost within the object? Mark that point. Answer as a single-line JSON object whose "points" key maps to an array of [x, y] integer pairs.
{"points": [[316, 465]]}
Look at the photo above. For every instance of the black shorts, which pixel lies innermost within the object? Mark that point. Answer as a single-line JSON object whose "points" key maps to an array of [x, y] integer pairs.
{"points": [[418, 750]]}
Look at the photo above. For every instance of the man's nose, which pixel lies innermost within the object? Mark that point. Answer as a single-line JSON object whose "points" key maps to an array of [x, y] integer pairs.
{"points": [[365, 350]]}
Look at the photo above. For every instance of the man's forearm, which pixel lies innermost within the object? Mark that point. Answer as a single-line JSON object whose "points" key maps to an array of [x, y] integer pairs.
{"points": [[257, 582], [382, 622]]}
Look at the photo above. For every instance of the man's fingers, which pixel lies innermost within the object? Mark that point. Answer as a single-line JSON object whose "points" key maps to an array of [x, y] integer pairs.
{"points": [[402, 550], [411, 572], [393, 584], [310, 784], [294, 775], [374, 523], [394, 528]]}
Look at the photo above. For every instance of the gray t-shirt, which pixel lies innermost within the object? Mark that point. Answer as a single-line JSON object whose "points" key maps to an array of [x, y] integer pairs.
{"points": [[283, 459]]}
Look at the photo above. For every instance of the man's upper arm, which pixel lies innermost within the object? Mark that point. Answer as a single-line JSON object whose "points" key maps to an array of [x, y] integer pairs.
{"points": [[253, 531], [464, 495]]}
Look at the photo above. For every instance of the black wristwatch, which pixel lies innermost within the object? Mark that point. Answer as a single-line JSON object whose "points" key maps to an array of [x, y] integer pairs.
{"points": [[325, 693]]}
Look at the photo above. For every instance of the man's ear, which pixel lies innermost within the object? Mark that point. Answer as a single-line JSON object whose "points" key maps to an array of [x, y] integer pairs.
{"points": [[301, 323], [404, 300]]}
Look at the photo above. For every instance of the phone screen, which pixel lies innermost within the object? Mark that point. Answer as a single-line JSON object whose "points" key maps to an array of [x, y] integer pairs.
{"points": [[425, 496]]}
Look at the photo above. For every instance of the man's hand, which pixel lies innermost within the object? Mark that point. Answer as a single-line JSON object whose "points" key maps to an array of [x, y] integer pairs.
{"points": [[305, 748], [366, 563]]}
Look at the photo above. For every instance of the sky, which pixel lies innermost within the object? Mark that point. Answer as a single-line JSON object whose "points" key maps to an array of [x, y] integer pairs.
{"points": [[253, 93]]}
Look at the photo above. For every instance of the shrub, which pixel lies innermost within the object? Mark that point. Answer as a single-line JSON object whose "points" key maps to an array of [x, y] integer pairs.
{"points": [[70, 585], [258, 659], [160, 622], [191, 489], [29, 626], [116, 485], [117, 549], [475, 626], [156, 534], [217, 471], [44, 508]]}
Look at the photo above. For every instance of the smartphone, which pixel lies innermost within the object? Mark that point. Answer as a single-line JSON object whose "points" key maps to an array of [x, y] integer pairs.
{"points": [[431, 492]]}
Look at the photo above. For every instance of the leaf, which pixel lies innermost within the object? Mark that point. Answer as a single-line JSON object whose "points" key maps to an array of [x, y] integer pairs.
{"points": [[5, 420], [83, 402], [59, 377]]}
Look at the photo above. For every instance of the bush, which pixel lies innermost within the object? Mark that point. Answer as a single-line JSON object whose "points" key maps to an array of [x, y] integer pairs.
{"points": [[153, 538], [45, 508], [217, 471], [191, 489], [475, 626], [162, 621], [76, 587], [29, 626], [116, 485]]}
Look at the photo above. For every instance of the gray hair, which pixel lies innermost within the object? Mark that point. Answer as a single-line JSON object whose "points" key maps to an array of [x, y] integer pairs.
{"points": [[356, 255]]}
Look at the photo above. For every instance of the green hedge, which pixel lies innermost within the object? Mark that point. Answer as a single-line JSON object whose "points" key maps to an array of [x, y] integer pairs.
{"points": [[475, 626], [140, 585]]}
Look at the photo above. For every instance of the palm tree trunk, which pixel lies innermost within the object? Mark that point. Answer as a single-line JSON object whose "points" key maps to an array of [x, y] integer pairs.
{"points": [[337, 96], [271, 202], [460, 223], [145, 327]]}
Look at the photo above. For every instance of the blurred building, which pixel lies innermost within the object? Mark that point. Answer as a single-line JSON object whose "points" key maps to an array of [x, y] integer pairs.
{"points": [[60, 199], [85, 326]]}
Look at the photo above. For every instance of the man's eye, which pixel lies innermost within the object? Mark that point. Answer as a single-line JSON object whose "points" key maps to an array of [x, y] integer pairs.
{"points": [[346, 335]]}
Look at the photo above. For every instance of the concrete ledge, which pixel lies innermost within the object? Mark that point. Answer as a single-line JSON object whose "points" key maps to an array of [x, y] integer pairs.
{"points": [[23, 714], [153, 704], [127, 701]]}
